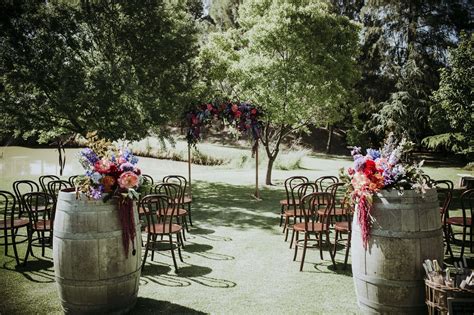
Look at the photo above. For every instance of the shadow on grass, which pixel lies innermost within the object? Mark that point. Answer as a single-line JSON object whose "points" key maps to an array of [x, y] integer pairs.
{"points": [[203, 250], [207, 234], [186, 276], [151, 306], [219, 204], [39, 271]]}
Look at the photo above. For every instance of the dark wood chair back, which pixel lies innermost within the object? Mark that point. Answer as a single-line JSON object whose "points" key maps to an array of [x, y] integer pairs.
{"points": [[21, 187], [38, 206], [291, 183], [43, 180], [324, 181], [311, 203]]}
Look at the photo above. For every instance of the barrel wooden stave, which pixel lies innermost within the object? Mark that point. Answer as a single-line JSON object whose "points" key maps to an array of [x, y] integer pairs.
{"points": [[92, 272], [389, 275]]}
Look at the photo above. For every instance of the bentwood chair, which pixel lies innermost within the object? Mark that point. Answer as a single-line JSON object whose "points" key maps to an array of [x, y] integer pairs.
{"points": [[309, 206], [175, 193], [465, 222], [149, 179], [186, 199], [293, 211], [40, 221], [159, 212], [337, 192], [54, 187], [344, 227], [44, 181], [72, 180], [289, 184], [10, 223], [444, 189], [325, 181], [21, 187]]}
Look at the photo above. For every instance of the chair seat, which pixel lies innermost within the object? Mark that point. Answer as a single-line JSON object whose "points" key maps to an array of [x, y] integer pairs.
{"points": [[336, 213], [141, 211], [187, 199], [159, 228], [293, 213], [179, 213], [42, 225], [458, 221], [342, 226], [285, 202], [316, 227], [17, 223]]}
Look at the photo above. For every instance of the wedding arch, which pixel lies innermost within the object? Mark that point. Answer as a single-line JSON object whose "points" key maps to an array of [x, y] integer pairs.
{"points": [[243, 116]]}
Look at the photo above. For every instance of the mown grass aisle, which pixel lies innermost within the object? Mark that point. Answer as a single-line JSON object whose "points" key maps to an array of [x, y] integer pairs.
{"points": [[235, 262]]}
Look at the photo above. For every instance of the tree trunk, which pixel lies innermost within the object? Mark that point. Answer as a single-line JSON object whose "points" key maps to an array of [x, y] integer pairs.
{"points": [[268, 178], [62, 156], [329, 143]]}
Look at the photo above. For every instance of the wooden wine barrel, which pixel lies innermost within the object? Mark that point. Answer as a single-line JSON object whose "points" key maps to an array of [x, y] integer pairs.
{"points": [[406, 230], [91, 270]]}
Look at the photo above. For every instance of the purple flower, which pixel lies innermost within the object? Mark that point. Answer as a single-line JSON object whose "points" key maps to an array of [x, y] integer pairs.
{"points": [[128, 155], [127, 167], [89, 155], [96, 193], [374, 154], [355, 151], [359, 162]]}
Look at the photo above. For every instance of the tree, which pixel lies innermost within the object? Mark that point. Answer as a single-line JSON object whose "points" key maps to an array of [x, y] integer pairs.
{"points": [[404, 43], [120, 69], [293, 59], [452, 115]]}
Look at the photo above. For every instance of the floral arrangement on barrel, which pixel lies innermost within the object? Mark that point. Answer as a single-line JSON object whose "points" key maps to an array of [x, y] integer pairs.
{"points": [[112, 173], [244, 117], [381, 169]]}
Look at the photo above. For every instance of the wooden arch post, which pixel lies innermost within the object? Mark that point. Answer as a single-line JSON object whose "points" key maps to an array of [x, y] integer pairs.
{"points": [[189, 171], [257, 191]]}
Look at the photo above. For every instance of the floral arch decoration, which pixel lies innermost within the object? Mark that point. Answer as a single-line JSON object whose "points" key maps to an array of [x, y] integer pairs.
{"points": [[243, 116]]}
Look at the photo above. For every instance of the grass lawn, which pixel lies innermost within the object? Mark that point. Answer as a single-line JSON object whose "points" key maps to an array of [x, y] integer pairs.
{"points": [[236, 260]]}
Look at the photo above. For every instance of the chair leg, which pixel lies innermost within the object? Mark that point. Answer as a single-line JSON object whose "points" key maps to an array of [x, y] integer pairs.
{"points": [[178, 236], [296, 245], [335, 245], [29, 249], [189, 214], [172, 254], [185, 223], [5, 236], [292, 238], [285, 225], [14, 247], [320, 242], [463, 241], [329, 250], [144, 256], [304, 250], [281, 214], [153, 249], [42, 244]]}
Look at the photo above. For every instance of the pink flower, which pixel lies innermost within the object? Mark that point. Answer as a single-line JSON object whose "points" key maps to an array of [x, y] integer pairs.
{"points": [[128, 180], [102, 166], [122, 160]]}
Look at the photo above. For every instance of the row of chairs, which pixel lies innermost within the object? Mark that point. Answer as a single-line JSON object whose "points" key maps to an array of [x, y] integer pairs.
{"points": [[463, 222], [32, 207], [313, 208]]}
